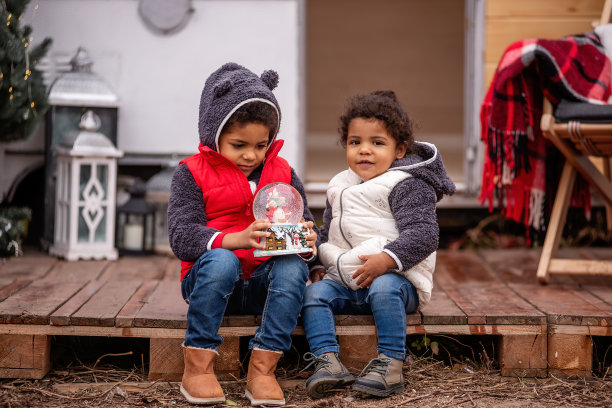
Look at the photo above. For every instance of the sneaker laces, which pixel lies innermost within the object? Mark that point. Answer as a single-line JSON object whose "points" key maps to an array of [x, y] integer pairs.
{"points": [[377, 365], [318, 361]]}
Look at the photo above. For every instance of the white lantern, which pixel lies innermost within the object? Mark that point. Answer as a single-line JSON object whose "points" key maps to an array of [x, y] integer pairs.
{"points": [[85, 196]]}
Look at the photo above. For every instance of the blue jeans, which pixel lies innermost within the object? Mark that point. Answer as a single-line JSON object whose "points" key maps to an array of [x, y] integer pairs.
{"points": [[389, 299], [214, 287]]}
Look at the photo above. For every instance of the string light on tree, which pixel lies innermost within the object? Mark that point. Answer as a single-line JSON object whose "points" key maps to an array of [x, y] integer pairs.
{"points": [[23, 95]]}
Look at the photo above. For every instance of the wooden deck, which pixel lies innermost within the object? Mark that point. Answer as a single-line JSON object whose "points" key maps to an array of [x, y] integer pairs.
{"points": [[540, 329]]}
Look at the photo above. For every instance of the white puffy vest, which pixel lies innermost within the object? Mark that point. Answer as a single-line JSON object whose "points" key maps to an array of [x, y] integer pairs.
{"points": [[362, 224]]}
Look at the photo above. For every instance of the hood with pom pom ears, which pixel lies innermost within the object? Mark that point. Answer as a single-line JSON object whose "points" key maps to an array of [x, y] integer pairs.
{"points": [[226, 90]]}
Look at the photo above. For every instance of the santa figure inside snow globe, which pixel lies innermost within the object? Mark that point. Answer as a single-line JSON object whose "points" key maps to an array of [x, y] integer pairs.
{"points": [[282, 205]]}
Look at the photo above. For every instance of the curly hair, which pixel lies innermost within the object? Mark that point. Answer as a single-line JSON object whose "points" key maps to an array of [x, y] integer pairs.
{"points": [[253, 112], [382, 106]]}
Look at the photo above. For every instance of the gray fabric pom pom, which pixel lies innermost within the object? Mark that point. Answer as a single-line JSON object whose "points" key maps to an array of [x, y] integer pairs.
{"points": [[223, 88], [270, 78]]}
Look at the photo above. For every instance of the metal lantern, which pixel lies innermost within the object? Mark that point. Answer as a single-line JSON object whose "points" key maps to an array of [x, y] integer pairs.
{"points": [[158, 194], [85, 194], [136, 223], [70, 96]]}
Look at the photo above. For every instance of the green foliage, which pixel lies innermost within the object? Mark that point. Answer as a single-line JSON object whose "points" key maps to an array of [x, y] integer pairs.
{"points": [[13, 229], [23, 95], [423, 345]]}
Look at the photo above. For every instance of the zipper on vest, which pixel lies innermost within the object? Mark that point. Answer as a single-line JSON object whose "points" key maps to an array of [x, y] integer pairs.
{"points": [[340, 219], [340, 273]]}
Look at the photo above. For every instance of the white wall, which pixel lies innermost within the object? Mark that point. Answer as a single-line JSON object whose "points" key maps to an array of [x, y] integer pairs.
{"points": [[159, 78]]}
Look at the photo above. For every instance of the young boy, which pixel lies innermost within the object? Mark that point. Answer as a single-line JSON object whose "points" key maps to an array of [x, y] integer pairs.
{"points": [[379, 239], [213, 232]]}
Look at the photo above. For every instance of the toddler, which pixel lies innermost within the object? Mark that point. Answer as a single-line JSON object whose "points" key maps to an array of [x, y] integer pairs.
{"points": [[377, 243], [213, 232]]}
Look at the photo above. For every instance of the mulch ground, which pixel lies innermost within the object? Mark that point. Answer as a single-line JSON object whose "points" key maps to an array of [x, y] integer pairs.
{"points": [[429, 383]]}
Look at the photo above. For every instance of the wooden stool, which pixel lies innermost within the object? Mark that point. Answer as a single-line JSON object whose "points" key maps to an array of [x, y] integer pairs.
{"points": [[576, 141]]}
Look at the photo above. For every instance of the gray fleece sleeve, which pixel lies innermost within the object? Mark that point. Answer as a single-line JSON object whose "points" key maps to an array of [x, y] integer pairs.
{"points": [[187, 230], [327, 216], [413, 204]]}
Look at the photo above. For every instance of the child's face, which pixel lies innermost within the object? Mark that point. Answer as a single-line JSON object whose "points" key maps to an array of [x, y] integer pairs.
{"points": [[370, 149], [245, 146]]}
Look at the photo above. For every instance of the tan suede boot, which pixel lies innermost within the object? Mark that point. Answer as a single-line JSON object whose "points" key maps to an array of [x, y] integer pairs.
{"points": [[200, 385], [262, 388]]}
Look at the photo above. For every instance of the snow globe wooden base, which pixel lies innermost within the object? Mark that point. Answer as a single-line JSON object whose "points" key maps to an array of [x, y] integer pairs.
{"points": [[282, 205]]}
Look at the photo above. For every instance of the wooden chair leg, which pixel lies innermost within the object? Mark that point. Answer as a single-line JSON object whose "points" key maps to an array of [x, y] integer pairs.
{"points": [[557, 221]]}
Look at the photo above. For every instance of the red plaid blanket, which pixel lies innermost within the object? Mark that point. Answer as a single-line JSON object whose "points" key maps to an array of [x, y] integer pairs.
{"points": [[519, 167]]}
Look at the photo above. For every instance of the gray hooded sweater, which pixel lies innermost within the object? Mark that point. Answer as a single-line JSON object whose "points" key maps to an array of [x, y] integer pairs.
{"points": [[225, 90]]}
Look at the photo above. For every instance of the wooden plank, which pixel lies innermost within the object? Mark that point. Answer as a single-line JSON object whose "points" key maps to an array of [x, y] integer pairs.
{"points": [[165, 308], [81, 271], [24, 356], [518, 265], [441, 309], [457, 267], [580, 267], [562, 300], [603, 331], [479, 293], [357, 351], [13, 287], [61, 317], [523, 356], [368, 320], [228, 365], [494, 304], [167, 360], [501, 32], [28, 267], [565, 304], [172, 272], [544, 8], [36, 302], [134, 267], [570, 355], [602, 292], [126, 315], [102, 308], [240, 320], [155, 332]]}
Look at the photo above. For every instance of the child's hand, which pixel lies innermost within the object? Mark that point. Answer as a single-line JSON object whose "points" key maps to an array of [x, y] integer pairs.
{"points": [[317, 274], [248, 237], [374, 266], [311, 239]]}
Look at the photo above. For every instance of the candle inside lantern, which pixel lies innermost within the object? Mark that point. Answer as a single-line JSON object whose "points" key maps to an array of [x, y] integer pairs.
{"points": [[132, 237]]}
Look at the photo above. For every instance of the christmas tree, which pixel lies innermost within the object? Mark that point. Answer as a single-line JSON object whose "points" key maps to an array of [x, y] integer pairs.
{"points": [[23, 95]]}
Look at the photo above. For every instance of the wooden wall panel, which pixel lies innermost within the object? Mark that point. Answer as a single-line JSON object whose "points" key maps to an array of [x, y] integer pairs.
{"points": [[544, 8], [511, 21], [413, 47]]}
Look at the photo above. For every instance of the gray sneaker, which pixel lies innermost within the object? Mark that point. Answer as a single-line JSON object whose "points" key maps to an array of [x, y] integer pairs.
{"points": [[383, 377], [329, 373]]}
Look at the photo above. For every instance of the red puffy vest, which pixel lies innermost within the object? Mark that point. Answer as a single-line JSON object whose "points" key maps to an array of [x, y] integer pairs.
{"points": [[227, 195]]}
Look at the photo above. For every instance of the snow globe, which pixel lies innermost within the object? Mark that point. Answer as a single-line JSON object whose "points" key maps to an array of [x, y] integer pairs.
{"points": [[282, 205]]}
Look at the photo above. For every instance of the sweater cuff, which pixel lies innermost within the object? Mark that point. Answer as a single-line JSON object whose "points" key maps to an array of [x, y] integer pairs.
{"points": [[396, 259], [307, 256], [215, 241]]}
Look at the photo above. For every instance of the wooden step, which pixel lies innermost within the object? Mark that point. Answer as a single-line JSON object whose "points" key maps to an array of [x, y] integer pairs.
{"points": [[539, 329]]}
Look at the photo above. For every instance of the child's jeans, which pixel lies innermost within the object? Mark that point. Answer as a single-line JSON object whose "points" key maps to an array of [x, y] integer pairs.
{"points": [[214, 287], [389, 298]]}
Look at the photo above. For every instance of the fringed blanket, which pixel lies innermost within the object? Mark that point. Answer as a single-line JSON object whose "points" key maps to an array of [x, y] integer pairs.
{"points": [[518, 171]]}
